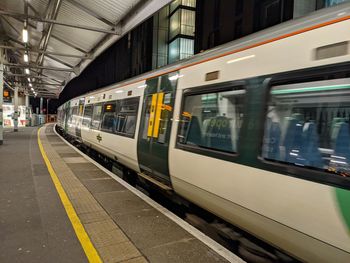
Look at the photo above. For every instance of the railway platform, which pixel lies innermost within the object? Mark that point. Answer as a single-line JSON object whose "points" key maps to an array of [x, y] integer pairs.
{"points": [[58, 205]]}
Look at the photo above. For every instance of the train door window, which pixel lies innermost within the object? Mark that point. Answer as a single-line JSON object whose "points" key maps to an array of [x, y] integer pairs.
{"points": [[126, 116], [70, 115], [74, 114], [148, 116], [307, 125], [87, 115], [212, 120], [109, 117], [96, 116]]}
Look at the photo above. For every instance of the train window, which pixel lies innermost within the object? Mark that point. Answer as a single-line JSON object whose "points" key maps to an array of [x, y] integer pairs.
{"points": [[109, 117], [87, 115], [96, 116], [212, 120], [126, 117], [73, 117], [307, 125]]}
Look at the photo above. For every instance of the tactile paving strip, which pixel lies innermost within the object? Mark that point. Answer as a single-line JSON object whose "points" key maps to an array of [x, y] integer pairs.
{"points": [[109, 240]]}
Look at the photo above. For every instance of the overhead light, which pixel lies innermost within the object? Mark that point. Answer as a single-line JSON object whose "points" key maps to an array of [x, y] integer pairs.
{"points": [[26, 57], [30, 85], [32, 89], [119, 91], [27, 71], [25, 35], [240, 59], [175, 77], [29, 79], [142, 86]]}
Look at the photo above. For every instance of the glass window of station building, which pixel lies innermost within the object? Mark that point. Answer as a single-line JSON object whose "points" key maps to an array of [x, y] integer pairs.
{"points": [[187, 27]]}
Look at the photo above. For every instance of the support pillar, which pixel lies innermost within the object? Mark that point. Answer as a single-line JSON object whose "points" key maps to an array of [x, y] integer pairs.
{"points": [[27, 111], [41, 105], [15, 113], [47, 110], [1, 96]]}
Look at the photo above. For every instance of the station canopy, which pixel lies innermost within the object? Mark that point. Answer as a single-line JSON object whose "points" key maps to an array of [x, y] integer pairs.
{"points": [[49, 42]]}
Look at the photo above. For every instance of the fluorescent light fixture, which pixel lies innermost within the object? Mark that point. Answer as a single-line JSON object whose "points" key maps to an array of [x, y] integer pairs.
{"points": [[26, 57], [30, 85], [175, 77], [310, 89], [32, 89], [91, 97], [240, 59], [27, 71], [25, 35], [29, 79], [142, 86], [119, 91]]}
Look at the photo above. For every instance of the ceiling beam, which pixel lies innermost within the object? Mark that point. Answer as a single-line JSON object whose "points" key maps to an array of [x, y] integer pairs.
{"points": [[14, 65], [113, 31], [32, 8], [9, 74], [139, 13], [33, 50], [91, 12], [44, 75], [36, 83], [45, 38], [56, 37], [12, 26], [60, 61]]}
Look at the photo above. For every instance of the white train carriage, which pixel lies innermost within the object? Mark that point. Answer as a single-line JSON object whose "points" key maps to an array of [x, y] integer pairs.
{"points": [[255, 131]]}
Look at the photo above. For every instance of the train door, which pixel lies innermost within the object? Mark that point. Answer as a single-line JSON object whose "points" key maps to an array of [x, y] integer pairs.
{"points": [[156, 122], [67, 112], [79, 117]]}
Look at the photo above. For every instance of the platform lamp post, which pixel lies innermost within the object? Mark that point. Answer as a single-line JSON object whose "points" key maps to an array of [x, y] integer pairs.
{"points": [[15, 112], [1, 95], [47, 110]]}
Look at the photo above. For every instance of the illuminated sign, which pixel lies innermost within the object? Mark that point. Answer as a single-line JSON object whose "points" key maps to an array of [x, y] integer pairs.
{"points": [[7, 96]]}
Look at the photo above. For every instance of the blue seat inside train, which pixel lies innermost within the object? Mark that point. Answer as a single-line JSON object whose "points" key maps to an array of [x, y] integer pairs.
{"points": [[341, 136], [293, 140], [272, 144], [310, 146]]}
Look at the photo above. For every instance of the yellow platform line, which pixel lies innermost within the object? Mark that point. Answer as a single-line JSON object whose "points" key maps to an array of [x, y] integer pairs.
{"points": [[79, 229]]}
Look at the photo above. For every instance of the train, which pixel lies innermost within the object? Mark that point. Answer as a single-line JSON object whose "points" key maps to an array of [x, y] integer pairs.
{"points": [[255, 131]]}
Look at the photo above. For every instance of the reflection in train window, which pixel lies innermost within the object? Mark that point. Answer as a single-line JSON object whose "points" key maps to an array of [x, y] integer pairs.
{"points": [[126, 117], [96, 116], [87, 115], [308, 125], [73, 116], [212, 120], [109, 117]]}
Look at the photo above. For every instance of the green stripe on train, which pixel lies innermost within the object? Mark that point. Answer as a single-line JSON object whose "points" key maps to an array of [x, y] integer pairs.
{"points": [[343, 197]]}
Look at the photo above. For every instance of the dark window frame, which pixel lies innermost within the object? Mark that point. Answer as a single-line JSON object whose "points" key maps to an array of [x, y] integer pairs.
{"points": [[118, 106], [205, 89], [84, 112], [93, 108], [103, 113], [303, 173]]}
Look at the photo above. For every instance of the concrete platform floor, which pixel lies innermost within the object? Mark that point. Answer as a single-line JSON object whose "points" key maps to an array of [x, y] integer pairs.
{"points": [[34, 226], [122, 227]]}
